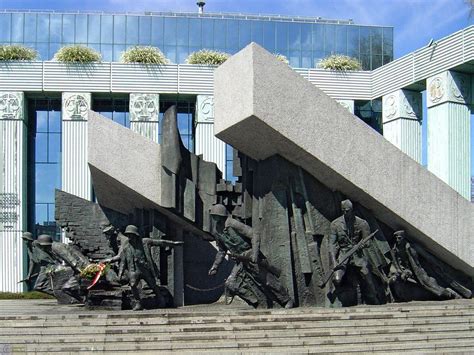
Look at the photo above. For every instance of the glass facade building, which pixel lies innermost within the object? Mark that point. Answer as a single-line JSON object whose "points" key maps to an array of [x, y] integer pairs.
{"points": [[303, 41]]}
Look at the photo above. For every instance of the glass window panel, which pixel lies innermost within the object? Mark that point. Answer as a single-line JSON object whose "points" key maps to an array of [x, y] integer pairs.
{"points": [[170, 53], [30, 28], [54, 121], [144, 26], [41, 121], [365, 61], [119, 29], [294, 59], [48, 178], [219, 33], [127, 119], [318, 37], [93, 29], [132, 30], [41, 213], [376, 61], [257, 32], [376, 40], [81, 29], [68, 28], [207, 33], [106, 29], [195, 32], [184, 124], [353, 41], [53, 48], [170, 31], [106, 51], [17, 27], [281, 36], [51, 214], [329, 39], [364, 40], [118, 50], [55, 26], [182, 31], [306, 59], [232, 34], [43, 28], [43, 51], [317, 57], [388, 41], [306, 36], [54, 148], [5, 26], [157, 31], [294, 35], [269, 36], [244, 34], [182, 52], [341, 40], [387, 59], [41, 147]]}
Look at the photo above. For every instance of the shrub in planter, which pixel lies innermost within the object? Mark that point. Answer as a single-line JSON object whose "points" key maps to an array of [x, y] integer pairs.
{"points": [[145, 55], [281, 58], [340, 62], [17, 52], [208, 57], [77, 54]]}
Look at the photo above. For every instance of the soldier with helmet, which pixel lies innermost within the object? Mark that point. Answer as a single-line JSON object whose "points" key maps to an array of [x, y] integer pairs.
{"points": [[46, 261], [252, 277], [137, 261], [30, 248]]}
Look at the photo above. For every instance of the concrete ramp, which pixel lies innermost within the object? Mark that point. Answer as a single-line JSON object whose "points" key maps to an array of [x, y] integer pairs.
{"points": [[263, 108]]}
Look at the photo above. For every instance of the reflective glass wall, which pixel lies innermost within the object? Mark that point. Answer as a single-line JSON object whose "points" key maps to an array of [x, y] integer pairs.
{"points": [[303, 43]]}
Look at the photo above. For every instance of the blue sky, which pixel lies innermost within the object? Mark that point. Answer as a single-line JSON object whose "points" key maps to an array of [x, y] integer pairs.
{"points": [[415, 21]]}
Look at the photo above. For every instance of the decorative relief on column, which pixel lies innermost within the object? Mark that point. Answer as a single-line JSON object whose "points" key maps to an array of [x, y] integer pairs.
{"points": [[449, 86], [144, 107], [348, 104], [205, 109], [11, 105], [76, 106], [402, 104]]}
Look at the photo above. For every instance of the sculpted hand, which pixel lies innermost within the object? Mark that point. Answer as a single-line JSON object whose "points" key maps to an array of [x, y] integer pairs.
{"points": [[212, 271]]}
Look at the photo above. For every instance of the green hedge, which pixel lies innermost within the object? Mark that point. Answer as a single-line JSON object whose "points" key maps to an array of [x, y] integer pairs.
{"points": [[144, 54], [340, 62], [207, 57], [32, 295], [17, 52], [77, 54]]}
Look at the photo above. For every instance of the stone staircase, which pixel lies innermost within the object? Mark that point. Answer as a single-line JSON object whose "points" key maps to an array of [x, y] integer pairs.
{"points": [[41, 326]]}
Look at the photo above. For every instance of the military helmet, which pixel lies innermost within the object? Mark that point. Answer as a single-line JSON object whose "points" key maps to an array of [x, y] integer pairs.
{"points": [[27, 236], [45, 239], [400, 233], [108, 229], [131, 229], [219, 210]]}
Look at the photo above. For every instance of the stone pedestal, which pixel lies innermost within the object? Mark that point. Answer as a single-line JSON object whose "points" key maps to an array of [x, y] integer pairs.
{"points": [[401, 117], [211, 148], [349, 104], [144, 115], [13, 150], [75, 176], [449, 146]]}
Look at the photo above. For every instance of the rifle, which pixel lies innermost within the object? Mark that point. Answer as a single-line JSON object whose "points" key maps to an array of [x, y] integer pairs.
{"points": [[346, 256], [260, 262], [28, 279]]}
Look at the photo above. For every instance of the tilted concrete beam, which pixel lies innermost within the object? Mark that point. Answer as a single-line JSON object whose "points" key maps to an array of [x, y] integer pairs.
{"points": [[262, 108]]}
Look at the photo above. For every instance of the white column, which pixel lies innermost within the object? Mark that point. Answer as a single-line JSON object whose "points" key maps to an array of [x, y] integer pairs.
{"points": [[348, 104], [144, 115], [12, 190], [211, 148], [75, 176], [449, 147], [401, 117]]}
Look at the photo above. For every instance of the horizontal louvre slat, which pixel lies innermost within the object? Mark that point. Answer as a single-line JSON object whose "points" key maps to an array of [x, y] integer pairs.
{"points": [[21, 76], [77, 77], [144, 78]]}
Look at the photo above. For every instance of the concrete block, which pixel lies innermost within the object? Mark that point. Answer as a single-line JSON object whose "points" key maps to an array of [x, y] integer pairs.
{"points": [[263, 108]]}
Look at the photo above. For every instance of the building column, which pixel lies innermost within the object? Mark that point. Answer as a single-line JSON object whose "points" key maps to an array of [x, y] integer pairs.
{"points": [[348, 104], [448, 96], [13, 149], [144, 115], [401, 118], [76, 177], [211, 148]]}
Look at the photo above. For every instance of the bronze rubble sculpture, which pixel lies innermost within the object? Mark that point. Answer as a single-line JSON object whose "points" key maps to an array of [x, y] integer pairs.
{"points": [[253, 279]]}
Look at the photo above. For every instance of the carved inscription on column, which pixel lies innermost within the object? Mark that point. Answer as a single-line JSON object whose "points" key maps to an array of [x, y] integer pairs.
{"points": [[76, 106], [144, 107], [449, 86], [205, 109], [402, 104], [11, 105]]}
